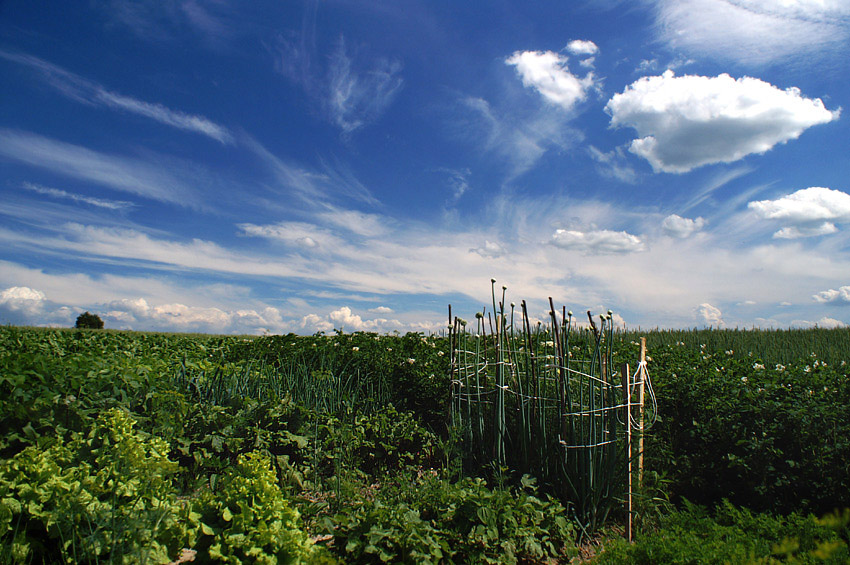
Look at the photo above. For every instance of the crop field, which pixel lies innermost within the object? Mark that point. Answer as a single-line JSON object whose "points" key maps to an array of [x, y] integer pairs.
{"points": [[122, 447]]}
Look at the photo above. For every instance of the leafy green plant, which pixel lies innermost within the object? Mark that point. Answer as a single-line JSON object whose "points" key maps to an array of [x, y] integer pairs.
{"points": [[103, 496], [378, 443], [388, 533], [249, 519], [429, 519]]}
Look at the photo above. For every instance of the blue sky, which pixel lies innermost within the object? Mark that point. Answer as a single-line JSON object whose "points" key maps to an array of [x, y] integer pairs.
{"points": [[254, 167]]}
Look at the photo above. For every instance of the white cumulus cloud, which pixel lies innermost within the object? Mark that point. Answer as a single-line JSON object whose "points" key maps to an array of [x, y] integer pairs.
{"points": [[833, 296], [582, 47], [690, 121], [381, 310], [679, 227], [22, 298], [710, 315], [22, 305], [808, 212], [597, 241], [548, 73]]}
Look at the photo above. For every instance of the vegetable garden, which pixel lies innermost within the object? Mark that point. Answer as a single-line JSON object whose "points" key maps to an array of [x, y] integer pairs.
{"points": [[154, 448]]}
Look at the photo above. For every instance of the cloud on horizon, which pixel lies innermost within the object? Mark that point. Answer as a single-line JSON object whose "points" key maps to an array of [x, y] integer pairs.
{"points": [[28, 306]]}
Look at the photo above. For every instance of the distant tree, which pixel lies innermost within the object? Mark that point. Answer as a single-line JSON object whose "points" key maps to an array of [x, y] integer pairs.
{"points": [[90, 321]]}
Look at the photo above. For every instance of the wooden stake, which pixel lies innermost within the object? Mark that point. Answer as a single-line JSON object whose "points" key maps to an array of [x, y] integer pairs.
{"points": [[624, 370]]}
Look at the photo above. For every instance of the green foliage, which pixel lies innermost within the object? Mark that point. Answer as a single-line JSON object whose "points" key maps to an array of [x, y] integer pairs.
{"points": [[769, 437], [736, 535], [431, 520], [107, 496], [89, 321], [125, 446], [394, 533], [376, 444], [250, 520], [362, 371], [771, 345], [104, 495]]}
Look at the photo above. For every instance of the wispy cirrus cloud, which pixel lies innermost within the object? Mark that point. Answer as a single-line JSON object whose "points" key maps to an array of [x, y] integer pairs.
{"points": [[613, 164], [490, 249], [65, 195], [755, 32], [163, 115], [358, 96], [355, 222], [520, 134], [164, 20], [519, 139], [126, 174], [91, 93], [351, 90], [691, 121], [303, 235], [330, 179], [350, 253], [458, 181]]}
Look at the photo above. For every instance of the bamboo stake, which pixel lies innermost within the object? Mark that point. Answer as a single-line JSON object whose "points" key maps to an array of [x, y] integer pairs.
{"points": [[627, 400], [640, 408]]}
